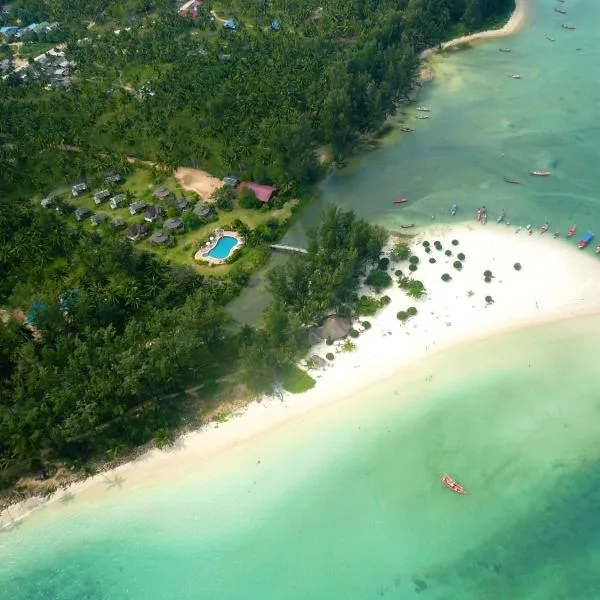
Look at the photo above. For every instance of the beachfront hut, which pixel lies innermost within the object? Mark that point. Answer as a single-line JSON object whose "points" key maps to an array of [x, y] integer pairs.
{"points": [[334, 327]]}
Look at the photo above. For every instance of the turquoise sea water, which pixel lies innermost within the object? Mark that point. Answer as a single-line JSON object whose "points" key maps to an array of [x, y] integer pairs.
{"points": [[485, 126], [346, 503]]}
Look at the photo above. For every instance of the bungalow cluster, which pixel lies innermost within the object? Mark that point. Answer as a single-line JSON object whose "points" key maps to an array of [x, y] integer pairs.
{"points": [[154, 221], [16, 32]]}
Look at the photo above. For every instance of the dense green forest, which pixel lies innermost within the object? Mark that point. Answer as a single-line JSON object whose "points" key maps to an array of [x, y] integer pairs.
{"points": [[255, 101], [114, 334]]}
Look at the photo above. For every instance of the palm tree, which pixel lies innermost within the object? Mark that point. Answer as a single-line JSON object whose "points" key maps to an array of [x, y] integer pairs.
{"points": [[416, 289]]}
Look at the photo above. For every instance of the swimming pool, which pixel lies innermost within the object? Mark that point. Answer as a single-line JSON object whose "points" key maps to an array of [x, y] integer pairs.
{"points": [[223, 247]]}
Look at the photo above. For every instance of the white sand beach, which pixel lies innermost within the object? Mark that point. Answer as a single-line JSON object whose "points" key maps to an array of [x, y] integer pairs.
{"points": [[556, 281], [517, 20]]}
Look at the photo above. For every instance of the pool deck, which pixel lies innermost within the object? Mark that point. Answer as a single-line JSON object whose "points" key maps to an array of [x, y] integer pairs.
{"points": [[202, 254]]}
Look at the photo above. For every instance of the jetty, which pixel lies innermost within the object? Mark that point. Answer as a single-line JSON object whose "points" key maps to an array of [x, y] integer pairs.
{"points": [[286, 248]]}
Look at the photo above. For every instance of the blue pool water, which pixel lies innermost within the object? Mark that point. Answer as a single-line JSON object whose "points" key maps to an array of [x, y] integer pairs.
{"points": [[223, 248]]}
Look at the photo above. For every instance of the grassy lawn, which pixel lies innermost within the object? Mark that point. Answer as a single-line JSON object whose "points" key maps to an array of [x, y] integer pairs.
{"points": [[295, 380]]}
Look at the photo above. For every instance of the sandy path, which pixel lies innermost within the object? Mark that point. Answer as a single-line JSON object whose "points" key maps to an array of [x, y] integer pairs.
{"points": [[556, 282], [201, 182]]}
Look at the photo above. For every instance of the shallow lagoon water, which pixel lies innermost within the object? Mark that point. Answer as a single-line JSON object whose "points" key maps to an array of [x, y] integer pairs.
{"points": [[346, 502]]}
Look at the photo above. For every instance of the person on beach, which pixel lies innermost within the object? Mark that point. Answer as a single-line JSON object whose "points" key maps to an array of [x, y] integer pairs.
{"points": [[478, 214], [483, 215]]}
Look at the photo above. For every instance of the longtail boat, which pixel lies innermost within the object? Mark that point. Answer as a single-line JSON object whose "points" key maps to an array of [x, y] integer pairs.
{"points": [[585, 240], [598, 249], [400, 200], [510, 180], [451, 484], [516, 76], [550, 38], [572, 231], [504, 49], [407, 226], [423, 109], [407, 129], [540, 173], [544, 227]]}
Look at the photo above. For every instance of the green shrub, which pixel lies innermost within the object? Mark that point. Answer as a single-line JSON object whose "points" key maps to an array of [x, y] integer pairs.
{"points": [[489, 299], [457, 265], [366, 324], [487, 273], [428, 250], [329, 340], [398, 273], [247, 199], [330, 356], [448, 253], [367, 306], [402, 316], [378, 279], [384, 300], [446, 277], [432, 260], [426, 244], [383, 263], [411, 311], [438, 244], [353, 333], [413, 260], [460, 256], [348, 346], [517, 266], [412, 267], [487, 279], [455, 242], [399, 252]]}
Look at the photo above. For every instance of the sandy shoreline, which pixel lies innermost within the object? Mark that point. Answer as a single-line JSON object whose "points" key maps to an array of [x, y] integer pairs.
{"points": [[556, 282], [517, 20]]}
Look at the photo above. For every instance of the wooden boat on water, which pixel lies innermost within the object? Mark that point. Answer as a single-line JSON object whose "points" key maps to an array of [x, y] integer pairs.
{"points": [[407, 226], [515, 76], [562, 11], [550, 38], [504, 49], [544, 227], [407, 129], [400, 200], [585, 240], [568, 26], [451, 484], [572, 231], [423, 109], [423, 117], [540, 173], [509, 180]]}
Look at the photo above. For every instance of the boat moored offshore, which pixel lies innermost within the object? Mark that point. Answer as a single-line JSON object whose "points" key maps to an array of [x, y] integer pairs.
{"points": [[540, 173], [585, 240], [451, 484]]}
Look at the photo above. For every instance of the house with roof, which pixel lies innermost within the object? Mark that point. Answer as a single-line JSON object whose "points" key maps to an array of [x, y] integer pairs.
{"points": [[101, 196], [98, 218], [114, 178], [162, 193], [275, 26], [230, 24], [231, 180], [137, 232], [203, 210], [47, 202], [118, 223], [181, 205], [9, 31], [117, 200], [159, 238], [81, 213], [79, 188], [153, 213], [136, 207], [263, 192], [174, 225]]}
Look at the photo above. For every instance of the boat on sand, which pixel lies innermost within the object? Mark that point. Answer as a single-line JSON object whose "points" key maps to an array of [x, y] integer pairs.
{"points": [[597, 249], [585, 240], [540, 173], [451, 484], [572, 231], [400, 200], [544, 227]]}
